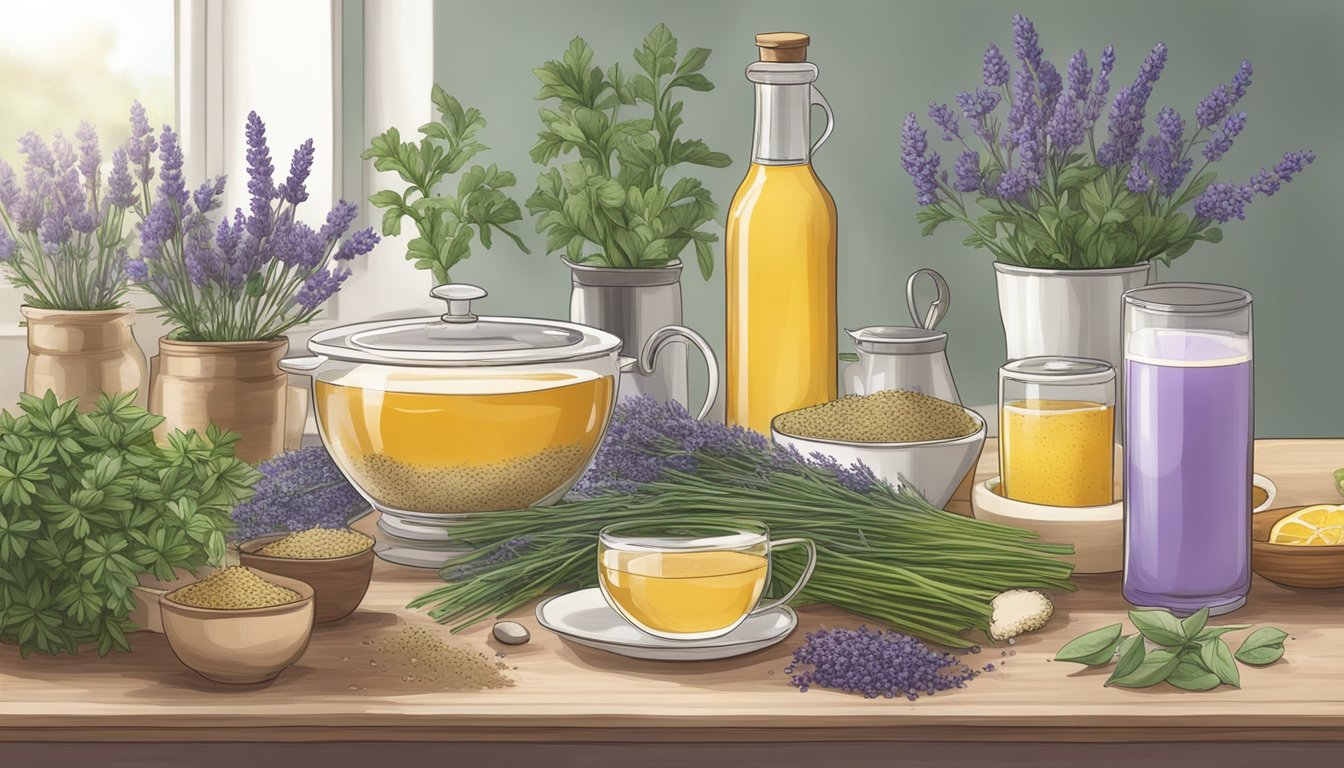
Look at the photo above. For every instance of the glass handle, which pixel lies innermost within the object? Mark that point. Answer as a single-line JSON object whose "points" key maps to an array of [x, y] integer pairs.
{"points": [[820, 101], [802, 580]]}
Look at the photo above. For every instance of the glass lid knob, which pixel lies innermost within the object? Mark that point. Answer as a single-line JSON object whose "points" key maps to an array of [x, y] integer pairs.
{"points": [[459, 297]]}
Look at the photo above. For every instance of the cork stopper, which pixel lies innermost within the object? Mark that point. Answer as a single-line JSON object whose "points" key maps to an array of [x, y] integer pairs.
{"points": [[783, 46]]}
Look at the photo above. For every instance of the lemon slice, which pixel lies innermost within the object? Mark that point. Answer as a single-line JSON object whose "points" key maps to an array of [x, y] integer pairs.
{"points": [[1316, 526]]}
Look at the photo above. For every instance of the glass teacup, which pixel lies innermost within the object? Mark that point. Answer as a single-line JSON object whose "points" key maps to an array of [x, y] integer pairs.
{"points": [[691, 580]]}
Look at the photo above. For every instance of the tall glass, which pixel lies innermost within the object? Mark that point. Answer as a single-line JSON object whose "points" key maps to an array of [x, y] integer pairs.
{"points": [[1189, 438]]}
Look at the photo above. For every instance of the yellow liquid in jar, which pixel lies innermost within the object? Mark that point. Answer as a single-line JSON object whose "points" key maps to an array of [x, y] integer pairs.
{"points": [[683, 592], [780, 248], [440, 443], [1057, 452]]}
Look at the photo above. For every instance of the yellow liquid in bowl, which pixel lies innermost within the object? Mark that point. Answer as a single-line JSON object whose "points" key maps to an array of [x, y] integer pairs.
{"points": [[1057, 452], [450, 443], [683, 592]]}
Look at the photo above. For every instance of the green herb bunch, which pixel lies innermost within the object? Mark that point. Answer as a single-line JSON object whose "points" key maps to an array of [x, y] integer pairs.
{"points": [[612, 207], [89, 502], [445, 224], [1189, 654]]}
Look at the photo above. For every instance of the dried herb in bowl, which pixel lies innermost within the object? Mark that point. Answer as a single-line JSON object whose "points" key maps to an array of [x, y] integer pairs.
{"points": [[886, 555]]}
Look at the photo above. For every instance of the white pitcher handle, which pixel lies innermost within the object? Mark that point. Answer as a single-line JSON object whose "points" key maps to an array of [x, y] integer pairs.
{"points": [[820, 101], [671, 333]]}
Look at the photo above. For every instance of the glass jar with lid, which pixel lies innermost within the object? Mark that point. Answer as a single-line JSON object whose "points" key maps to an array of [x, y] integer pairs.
{"points": [[1057, 431]]}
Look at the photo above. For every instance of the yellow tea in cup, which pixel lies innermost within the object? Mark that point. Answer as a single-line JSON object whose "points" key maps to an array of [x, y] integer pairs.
{"points": [[689, 580], [1058, 452]]}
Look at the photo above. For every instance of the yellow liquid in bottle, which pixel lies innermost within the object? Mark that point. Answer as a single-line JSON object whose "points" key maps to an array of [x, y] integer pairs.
{"points": [[1057, 452], [684, 592], [781, 295]]}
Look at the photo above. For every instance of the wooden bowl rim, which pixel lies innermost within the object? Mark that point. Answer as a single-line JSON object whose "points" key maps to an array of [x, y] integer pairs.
{"points": [[251, 547], [305, 590], [1335, 550]]}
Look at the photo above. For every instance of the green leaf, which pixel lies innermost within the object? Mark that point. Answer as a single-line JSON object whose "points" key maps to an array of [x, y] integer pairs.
{"points": [[1208, 633], [1263, 646], [1190, 676], [704, 255], [1093, 648], [1129, 656], [1159, 626], [1193, 624], [1217, 658], [1154, 668]]}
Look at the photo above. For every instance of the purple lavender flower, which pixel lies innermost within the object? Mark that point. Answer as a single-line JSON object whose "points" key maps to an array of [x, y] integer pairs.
{"points": [[1266, 182], [978, 104], [260, 182], [1137, 180], [1080, 76], [298, 490], [90, 156], [228, 236], [1024, 117], [1128, 111], [923, 169], [1051, 87], [967, 171], [1223, 201], [946, 120], [296, 244], [1164, 153], [996, 70], [172, 187], [1097, 101], [357, 244], [120, 186], [1221, 141], [9, 185], [1025, 42], [1014, 183], [293, 190], [322, 285], [38, 160], [1293, 163], [141, 146], [339, 219], [137, 270], [206, 197], [1066, 129], [1223, 97], [7, 246]]}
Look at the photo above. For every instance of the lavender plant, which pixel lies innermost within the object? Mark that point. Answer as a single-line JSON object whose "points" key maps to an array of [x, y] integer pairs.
{"points": [[252, 277], [298, 490], [63, 233], [1049, 191]]}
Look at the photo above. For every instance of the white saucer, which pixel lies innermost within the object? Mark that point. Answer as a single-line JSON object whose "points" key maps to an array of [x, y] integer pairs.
{"points": [[585, 618]]}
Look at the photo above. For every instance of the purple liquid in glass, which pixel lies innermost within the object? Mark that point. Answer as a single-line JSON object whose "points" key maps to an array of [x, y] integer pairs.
{"points": [[1187, 470]]}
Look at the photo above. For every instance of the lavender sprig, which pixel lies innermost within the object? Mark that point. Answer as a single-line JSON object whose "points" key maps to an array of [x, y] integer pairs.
{"points": [[298, 490]]}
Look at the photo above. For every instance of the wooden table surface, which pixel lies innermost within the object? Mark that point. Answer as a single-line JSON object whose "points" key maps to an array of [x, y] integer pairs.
{"points": [[567, 693]]}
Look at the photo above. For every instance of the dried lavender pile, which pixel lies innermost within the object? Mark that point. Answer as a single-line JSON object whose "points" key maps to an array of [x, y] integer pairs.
{"points": [[876, 664], [299, 490]]}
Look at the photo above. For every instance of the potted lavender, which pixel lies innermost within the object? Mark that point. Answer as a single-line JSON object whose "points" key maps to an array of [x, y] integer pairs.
{"points": [[64, 235], [1075, 216], [232, 288]]}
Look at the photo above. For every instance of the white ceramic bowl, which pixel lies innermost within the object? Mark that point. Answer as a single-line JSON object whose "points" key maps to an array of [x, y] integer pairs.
{"points": [[934, 468], [1096, 533]]}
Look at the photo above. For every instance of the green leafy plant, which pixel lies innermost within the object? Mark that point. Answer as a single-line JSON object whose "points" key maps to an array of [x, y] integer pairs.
{"points": [[445, 224], [89, 502], [611, 207], [1190, 655]]}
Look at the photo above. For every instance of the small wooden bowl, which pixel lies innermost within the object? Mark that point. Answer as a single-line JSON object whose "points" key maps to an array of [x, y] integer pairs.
{"points": [[339, 583], [1293, 566]]}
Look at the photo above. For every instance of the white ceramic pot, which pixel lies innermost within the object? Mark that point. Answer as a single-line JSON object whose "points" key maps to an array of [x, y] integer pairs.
{"points": [[1069, 312]]}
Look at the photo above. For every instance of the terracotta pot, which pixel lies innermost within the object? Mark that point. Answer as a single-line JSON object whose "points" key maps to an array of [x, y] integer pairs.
{"points": [[83, 354], [235, 385]]}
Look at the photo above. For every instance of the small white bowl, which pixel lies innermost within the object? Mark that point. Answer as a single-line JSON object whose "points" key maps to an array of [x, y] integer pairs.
{"points": [[1096, 533], [934, 468]]}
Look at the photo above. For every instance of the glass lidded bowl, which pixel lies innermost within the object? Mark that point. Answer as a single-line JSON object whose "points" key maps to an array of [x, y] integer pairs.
{"points": [[440, 416]]}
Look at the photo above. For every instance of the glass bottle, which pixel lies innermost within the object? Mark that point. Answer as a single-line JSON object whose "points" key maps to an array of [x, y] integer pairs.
{"points": [[1057, 431], [1189, 440], [780, 249]]}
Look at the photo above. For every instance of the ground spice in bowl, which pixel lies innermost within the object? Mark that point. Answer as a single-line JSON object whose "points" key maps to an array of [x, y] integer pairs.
{"points": [[890, 416], [318, 544], [234, 588]]}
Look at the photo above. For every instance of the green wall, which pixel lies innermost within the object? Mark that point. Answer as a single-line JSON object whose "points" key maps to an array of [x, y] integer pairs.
{"points": [[880, 60]]}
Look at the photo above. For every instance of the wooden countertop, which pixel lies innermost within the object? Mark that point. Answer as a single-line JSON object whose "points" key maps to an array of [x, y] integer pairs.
{"points": [[570, 694]]}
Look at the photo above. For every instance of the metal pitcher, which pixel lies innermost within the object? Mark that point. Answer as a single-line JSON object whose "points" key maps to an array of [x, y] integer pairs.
{"points": [[905, 357]]}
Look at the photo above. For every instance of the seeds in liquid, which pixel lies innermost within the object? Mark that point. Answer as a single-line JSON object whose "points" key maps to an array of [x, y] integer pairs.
{"points": [[684, 592], [1058, 452], [470, 443]]}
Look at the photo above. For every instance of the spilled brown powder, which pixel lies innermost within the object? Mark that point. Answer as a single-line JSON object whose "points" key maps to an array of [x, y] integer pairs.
{"points": [[891, 416], [419, 657]]}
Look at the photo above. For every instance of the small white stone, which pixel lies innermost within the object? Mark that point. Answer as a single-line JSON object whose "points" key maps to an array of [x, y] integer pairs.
{"points": [[511, 633]]}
